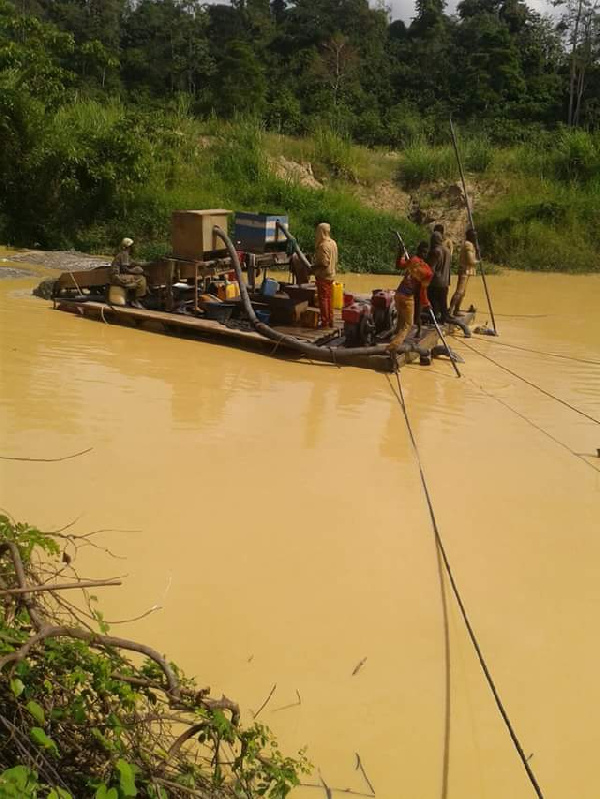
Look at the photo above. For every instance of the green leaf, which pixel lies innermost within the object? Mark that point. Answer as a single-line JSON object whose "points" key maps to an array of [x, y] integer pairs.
{"points": [[39, 737], [18, 777], [37, 711], [126, 778], [17, 686], [104, 792], [59, 793]]}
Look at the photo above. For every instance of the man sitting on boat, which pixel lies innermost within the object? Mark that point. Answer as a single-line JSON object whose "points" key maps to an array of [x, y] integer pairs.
{"points": [[417, 277], [129, 277], [326, 258]]}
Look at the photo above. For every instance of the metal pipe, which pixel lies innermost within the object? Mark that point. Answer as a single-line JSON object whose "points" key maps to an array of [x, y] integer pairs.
{"points": [[336, 355], [472, 225]]}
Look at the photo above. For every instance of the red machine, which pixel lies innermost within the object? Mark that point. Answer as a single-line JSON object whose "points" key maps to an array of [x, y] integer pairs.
{"points": [[359, 328], [385, 315]]}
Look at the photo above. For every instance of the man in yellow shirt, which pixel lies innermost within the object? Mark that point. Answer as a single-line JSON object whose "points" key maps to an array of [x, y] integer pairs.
{"points": [[466, 268], [324, 266]]}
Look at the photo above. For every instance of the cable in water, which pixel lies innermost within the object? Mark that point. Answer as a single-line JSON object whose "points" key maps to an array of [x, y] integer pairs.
{"points": [[546, 354], [533, 385], [511, 731], [533, 424]]}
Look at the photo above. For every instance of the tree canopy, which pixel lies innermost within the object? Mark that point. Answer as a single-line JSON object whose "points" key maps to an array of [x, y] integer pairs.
{"points": [[495, 63]]}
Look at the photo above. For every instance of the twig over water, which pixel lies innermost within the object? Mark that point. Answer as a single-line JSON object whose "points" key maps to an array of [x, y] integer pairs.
{"points": [[47, 460], [359, 666], [267, 700]]}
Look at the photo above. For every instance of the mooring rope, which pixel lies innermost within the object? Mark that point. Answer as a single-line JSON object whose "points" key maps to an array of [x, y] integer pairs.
{"points": [[440, 544], [493, 340], [534, 425], [533, 385]]}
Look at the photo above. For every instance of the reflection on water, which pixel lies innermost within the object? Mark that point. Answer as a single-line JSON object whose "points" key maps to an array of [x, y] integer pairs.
{"points": [[278, 505]]}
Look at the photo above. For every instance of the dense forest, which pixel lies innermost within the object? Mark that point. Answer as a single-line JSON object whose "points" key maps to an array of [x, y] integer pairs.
{"points": [[495, 63], [103, 104]]}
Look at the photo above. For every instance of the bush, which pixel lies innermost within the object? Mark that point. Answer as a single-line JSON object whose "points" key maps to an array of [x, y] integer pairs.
{"points": [[421, 164], [478, 154], [82, 717], [335, 152], [543, 227]]}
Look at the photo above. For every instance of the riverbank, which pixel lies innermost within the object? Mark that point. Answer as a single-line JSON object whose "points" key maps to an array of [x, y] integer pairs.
{"points": [[535, 210]]}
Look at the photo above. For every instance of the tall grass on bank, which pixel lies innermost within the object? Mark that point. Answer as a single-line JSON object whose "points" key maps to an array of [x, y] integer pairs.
{"points": [[88, 174], [544, 226], [567, 156], [235, 174], [423, 163], [163, 165]]}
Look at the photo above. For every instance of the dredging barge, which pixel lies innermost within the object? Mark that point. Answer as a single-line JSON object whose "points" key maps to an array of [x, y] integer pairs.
{"points": [[201, 290]]}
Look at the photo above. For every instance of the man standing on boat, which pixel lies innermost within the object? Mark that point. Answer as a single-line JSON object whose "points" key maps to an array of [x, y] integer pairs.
{"points": [[325, 263], [446, 242], [439, 259], [129, 277], [466, 268], [413, 284]]}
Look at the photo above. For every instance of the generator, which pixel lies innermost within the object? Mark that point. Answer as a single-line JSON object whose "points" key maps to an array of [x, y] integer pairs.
{"points": [[385, 315], [359, 327]]}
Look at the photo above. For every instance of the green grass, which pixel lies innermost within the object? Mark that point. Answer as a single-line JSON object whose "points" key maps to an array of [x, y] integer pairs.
{"points": [[543, 226], [88, 174], [233, 173]]}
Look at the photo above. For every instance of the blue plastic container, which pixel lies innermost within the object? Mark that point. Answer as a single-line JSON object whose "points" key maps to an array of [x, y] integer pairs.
{"points": [[269, 287], [263, 316], [258, 232]]}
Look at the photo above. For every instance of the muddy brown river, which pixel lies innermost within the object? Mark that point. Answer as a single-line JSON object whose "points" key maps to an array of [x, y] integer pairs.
{"points": [[274, 511]]}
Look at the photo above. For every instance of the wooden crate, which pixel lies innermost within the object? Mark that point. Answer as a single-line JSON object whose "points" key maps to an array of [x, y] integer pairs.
{"points": [[192, 236]]}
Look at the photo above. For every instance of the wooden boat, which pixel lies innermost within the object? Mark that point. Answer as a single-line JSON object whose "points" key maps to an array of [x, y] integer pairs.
{"points": [[331, 340], [182, 291]]}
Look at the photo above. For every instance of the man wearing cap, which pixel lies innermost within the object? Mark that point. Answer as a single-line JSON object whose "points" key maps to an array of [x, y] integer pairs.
{"points": [[122, 273]]}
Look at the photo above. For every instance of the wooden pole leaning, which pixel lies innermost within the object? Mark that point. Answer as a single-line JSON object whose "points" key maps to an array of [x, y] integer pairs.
{"points": [[472, 225]]}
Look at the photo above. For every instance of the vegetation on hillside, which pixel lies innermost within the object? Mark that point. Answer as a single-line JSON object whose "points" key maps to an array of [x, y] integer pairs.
{"points": [[84, 713], [112, 114]]}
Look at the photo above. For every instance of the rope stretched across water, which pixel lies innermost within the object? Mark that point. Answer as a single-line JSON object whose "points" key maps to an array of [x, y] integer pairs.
{"points": [[440, 544], [533, 385], [499, 343], [534, 425]]}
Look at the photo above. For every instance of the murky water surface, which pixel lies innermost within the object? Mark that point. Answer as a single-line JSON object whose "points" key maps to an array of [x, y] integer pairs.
{"points": [[274, 510]]}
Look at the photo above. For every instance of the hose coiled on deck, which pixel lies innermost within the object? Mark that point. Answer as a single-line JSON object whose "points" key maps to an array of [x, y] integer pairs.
{"points": [[315, 353]]}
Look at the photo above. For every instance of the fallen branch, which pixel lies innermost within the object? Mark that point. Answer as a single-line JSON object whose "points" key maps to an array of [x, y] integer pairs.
{"points": [[97, 641], [347, 791], [149, 715], [36, 589], [47, 460]]}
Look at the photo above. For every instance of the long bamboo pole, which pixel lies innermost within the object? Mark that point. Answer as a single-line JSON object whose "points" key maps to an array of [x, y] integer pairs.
{"points": [[472, 225]]}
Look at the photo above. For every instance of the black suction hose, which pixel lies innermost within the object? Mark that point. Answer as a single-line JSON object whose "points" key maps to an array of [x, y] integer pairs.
{"points": [[295, 245], [324, 353]]}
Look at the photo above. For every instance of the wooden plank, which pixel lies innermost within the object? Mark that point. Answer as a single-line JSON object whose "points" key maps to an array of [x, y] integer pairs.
{"points": [[84, 278], [210, 327]]}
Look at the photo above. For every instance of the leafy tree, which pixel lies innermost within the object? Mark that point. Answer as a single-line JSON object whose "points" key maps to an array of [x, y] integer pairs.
{"points": [[241, 85]]}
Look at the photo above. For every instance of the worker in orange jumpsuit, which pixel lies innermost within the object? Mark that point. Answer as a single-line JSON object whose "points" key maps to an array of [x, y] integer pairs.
{"points": [[417, 277]]}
